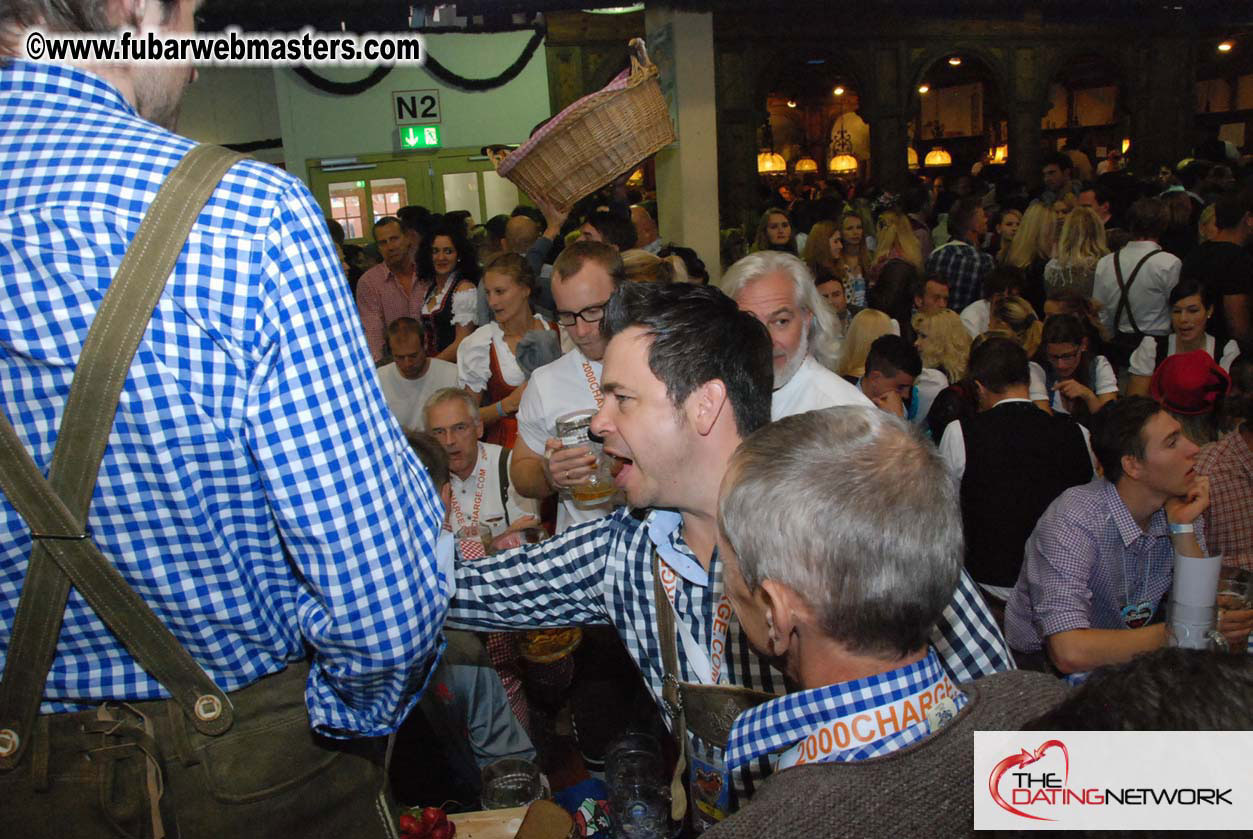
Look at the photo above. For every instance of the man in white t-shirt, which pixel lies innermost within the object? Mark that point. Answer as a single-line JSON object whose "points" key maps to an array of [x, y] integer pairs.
{"points": [[1148, 274], [777, 289], [411, 376], [584, 278], [452, 416]]}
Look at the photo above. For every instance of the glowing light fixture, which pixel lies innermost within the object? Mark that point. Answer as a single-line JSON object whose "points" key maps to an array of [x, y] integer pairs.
{"points": [[1225, 46], [923, 88], [839, 90], [616, 10], [806, 164], [911, 157], [1126, 144], [842, 164], [955, 61], [938, 156], [791, 103], [771, 163], [1000, 154], [637, 178]]}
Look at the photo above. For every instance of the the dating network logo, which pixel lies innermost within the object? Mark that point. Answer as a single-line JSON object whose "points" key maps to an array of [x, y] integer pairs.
{"points": [[1026, 787], [1113, 780]]}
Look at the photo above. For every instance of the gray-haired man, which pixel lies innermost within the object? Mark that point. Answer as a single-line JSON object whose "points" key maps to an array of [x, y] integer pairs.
{"points": [[778, 290], [841, 539]]}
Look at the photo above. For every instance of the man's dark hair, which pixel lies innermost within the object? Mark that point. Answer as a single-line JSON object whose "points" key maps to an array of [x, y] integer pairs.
{"points": [[920, 284], [495, 227], [1148, 217], [614, 229], [698, 335], [1230, 210], [1118, 431], [1059, 159], [382, 220], [532, 213], [1169, 689], [1003, 279], [892, 354], [999, 364], [961, 216], [336, 230], [1099, 191], [432, 455], [416, 219]]}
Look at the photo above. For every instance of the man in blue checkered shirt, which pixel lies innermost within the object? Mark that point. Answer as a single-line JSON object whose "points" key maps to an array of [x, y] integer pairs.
{"points": [[255, 491], [959, 262], [841, 541], [687, 376]]}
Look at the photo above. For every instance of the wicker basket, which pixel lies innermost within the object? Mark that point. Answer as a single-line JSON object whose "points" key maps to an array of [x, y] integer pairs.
{"points": [[596, 139]]}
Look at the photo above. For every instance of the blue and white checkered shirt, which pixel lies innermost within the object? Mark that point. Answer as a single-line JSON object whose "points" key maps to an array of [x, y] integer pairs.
{"points": [[255, 490], [787, 721], [601, 572], [963, 267]]}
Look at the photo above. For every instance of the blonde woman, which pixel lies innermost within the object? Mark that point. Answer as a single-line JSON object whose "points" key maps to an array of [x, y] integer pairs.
{"points": [[1081, 245], [896, 241], [1014, 317], [944, 344], [1207, 225], [644, 267], [1032, 249], [866, 326]]}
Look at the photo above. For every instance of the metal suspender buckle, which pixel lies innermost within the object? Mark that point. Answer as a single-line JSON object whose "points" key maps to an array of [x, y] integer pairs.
{"points": [[9, 742], [65, 537], [671, 695]]}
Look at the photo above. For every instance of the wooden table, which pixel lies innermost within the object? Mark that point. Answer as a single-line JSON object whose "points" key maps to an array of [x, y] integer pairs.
{"points": [[488, 824]]}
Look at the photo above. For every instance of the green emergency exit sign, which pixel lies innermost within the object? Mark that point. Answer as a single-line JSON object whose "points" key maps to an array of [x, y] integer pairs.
{"points": [[419, 137]]}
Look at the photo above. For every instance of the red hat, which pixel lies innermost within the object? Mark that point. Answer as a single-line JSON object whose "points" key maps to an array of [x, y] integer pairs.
{"points": [[1189, 383]]}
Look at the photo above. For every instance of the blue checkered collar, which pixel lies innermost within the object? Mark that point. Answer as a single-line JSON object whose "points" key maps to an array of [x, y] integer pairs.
{"points": [[663, 532], [783, 722], [58, 80]]}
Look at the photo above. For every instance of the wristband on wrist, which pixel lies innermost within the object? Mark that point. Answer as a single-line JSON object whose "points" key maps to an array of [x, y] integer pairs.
{"points": [[1182, 528]]}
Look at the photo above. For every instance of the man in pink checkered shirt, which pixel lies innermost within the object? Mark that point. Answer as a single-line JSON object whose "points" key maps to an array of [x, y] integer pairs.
{"points": [[1229, 465]]}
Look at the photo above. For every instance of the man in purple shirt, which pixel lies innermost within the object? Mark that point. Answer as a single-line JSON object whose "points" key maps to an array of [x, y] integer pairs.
{"points": [[1101, 559], [391, 289]]}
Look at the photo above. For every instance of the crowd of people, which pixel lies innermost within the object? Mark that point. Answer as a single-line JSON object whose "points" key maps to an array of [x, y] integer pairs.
{"points": [[912, 468], [1077, 396]]}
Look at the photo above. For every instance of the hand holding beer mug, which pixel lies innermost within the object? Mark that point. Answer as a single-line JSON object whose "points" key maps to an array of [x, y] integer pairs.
{"points": [[587, 479], [1235, 606]]}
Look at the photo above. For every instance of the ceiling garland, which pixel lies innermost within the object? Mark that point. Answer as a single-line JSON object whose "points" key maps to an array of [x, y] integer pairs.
{"points": [[436, 69]]}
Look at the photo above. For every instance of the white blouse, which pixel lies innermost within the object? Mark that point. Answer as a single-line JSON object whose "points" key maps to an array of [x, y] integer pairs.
{"points": [[465, 304], [474, 357], [1144, 359]]}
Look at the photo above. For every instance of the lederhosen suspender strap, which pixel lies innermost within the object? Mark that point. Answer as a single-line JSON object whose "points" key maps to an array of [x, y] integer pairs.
{"points": [[1124, 291], [55, 509], [670, 694]]}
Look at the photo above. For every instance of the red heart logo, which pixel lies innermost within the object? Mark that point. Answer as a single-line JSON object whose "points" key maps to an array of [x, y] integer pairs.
{"points": [[1024, 758]]}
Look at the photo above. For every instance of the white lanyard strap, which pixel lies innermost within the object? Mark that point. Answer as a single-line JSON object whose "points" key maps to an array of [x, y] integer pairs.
{"points": [[706, 665]]}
